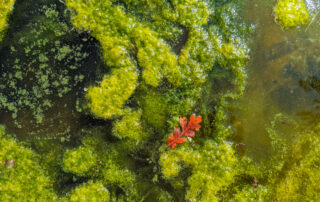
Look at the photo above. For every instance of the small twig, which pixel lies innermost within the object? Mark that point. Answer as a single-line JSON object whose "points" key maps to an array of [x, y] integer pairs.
{"points": [[314, 17], [62, 2]]}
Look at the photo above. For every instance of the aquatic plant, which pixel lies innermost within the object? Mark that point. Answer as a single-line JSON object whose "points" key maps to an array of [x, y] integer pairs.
{"points": [[162, 59], [6, 7], [187, 130], [295, 174], [212, 167], [79, 160], [129, 129], [108, 98], [90, 191], [159, 56], [22, 177], [291, 13]]}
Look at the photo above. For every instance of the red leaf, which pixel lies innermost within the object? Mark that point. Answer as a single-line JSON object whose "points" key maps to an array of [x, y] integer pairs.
{"points": [[176, 132], [195, 127], [180, 140], [173, 145], [183, 122], [170, 139], [189, 133], [194, 119], [193, 124], [187, 130]]}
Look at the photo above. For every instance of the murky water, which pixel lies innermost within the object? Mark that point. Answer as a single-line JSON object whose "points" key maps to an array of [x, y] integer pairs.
{"points": [[283, 76], [37, 58]]}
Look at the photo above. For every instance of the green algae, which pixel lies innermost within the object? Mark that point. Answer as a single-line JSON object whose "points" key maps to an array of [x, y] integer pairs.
{"points": [[79, 161], [91, 191], [178, 76], [6, 7], [291, 13], [108, 99], [22, 177], [162, 60]]}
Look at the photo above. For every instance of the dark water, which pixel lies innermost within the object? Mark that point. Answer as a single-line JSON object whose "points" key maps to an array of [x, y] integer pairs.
{"points": [[44, 106]]}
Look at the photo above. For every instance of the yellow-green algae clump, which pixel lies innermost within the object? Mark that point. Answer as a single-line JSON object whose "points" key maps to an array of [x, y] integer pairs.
{"points": [[108, 99], [212, 168], [6, 7], [296, 174], [161, 58], [291, 13], [164, 59], [22, 177], [90, 191], [79, 160]]}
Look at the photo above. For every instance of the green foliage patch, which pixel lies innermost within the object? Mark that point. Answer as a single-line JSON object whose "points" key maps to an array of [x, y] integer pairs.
{"points": [[21, 176], [291, 13], [6, 7], [91, 191]]}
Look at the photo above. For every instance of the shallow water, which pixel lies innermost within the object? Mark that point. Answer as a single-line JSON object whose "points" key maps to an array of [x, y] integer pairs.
{"points": [[283, 76]]}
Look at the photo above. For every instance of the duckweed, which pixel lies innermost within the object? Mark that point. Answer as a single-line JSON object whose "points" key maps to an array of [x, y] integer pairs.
{"points": [[44, 73]]}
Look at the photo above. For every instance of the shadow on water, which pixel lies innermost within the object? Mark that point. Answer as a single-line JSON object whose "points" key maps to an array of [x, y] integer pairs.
{"points": [[283, 77]]}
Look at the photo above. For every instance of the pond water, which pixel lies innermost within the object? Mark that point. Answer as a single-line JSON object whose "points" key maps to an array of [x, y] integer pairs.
{"points": [[283, 76], [45, 66]]}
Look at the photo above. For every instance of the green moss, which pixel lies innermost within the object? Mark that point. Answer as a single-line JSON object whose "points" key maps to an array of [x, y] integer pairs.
{"points": [[90, 191], [162, 57], [80, 160], [21, 176], [155, 109], [111, 165], [295, 170], [130, 130], [251, 194], [6, 7], [108, 99], [291, 13], [154, 56], [212, 169], [189, 13]]}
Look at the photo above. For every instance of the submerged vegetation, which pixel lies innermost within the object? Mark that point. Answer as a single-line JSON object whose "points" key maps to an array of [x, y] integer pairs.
{"points": [[91, 90]]}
